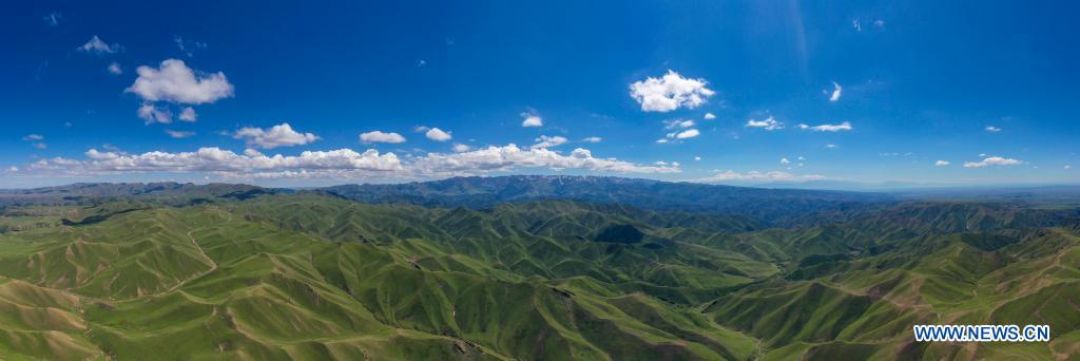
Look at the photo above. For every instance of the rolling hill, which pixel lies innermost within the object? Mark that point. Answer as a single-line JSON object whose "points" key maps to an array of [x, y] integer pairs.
{"points": [[502, 269]]}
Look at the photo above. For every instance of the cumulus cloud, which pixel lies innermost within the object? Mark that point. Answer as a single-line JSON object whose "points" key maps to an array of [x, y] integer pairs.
{"points": [[281, 135], [188, 114], [152, 114], [341, 163], [214, 159], [438, 135], [837, 89], [179, 134], [992, 129], [381, 137], [115, 69], [174, 82], [670, 92], [504, 158], [531, 120], [992, 161], [458, 148], [592, 139], [547, 142], [709, 116], [842, 127], [941, 163], [97, 46], [757, 176], [769, 123], [784, 161]]}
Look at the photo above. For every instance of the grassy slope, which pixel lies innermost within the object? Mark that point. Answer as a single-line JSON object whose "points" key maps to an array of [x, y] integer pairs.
{"points": [[308, 277]]}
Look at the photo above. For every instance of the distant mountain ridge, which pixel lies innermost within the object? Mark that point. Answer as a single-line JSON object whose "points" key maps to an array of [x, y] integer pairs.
{"points": [[486, 192]]}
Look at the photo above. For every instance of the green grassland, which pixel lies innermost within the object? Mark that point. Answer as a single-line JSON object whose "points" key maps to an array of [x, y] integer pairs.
{"points": [[283, 275]]}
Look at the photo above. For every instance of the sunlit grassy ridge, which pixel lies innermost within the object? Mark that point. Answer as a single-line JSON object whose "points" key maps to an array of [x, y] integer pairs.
{"points": [[309, 276]]}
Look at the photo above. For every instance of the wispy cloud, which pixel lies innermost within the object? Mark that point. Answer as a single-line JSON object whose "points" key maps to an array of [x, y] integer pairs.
{"points": [[992, 129], [941, 163], [837, 89], [179, 134], [758, 176], [842, 127], [97, 46], [993, 161], [769, 123], [115, 69]]}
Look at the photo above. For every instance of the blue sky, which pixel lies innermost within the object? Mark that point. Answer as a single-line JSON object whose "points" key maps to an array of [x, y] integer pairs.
{"points": [[987, 87]]}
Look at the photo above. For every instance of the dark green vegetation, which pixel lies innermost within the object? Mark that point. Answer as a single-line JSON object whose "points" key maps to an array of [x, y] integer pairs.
{"points": [[172, 271]]}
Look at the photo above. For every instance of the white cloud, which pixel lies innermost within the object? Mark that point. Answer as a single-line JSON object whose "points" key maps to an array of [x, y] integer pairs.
{"points": [[678, 123], [510, 157], [531, 120], [437, 135], [679, 135], [98, 46], [845, 126], [669, 92], [686, 134], [592, 140], [219, 160], [179, 134], [174, 82], [339, 164], [769, 123], [994, 160], [115, 69], [40, 145], [756, 176], [856, 24], [880, 24], [784, 161], [33, 137], [458, 148], [381, 137], [831, 146], [837, 89], [547, 142], [152, 114], [188, 114], [709, 116], [281, 135], [992, 129], [697, 158], [941, 163]]}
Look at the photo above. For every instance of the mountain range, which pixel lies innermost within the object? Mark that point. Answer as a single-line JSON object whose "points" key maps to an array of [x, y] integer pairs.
{"points": [[528, 268]]}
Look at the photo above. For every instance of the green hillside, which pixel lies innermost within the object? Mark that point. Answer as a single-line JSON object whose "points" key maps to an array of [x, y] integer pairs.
{"points": [[207, 273]]}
